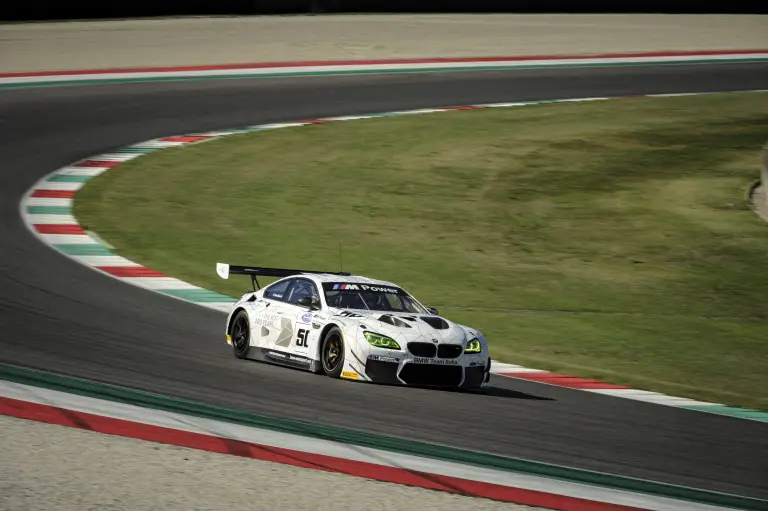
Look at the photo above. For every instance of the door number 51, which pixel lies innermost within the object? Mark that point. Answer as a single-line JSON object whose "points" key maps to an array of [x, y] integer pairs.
{"points": [[301, 339]]}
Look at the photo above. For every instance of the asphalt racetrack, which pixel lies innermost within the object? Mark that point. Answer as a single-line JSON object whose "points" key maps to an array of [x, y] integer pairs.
{"points": [[60, 316]]}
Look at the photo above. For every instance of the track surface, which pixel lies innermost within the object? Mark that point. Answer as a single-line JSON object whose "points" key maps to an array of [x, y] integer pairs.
{"points": [[60, 316]]}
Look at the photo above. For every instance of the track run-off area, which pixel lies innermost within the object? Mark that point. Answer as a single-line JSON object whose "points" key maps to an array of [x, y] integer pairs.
{"points": [[63, 318]]}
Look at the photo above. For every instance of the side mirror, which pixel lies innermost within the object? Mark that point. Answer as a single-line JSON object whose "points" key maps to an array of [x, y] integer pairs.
{"points": [[310, 302], [432, 310]]}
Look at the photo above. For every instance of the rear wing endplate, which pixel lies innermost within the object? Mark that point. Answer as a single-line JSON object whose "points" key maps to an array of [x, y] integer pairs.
{"points": [[224, 270]]}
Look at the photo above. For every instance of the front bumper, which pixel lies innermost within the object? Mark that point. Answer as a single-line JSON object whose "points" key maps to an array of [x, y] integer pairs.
{"points": [[472, 373]]}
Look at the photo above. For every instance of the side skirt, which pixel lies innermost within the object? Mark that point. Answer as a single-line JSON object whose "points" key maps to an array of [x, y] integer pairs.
{"points": [[284, 358]]}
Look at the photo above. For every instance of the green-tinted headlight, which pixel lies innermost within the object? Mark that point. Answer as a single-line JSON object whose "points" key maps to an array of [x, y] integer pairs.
{"points": [[473, 346], [381, 341]]}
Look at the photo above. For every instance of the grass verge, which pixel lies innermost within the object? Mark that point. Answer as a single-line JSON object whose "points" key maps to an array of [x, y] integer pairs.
{"points": [[608, 239]]}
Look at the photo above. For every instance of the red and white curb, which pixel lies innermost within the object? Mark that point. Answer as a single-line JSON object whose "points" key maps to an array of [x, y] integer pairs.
{"points": [[112, 417], [326, 68], [47, 210]]}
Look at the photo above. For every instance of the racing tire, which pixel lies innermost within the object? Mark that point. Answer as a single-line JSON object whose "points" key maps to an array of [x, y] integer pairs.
{"points": [[241, 335], [332, 353]]}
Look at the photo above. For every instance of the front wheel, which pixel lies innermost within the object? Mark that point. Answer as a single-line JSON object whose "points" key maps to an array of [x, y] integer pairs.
{"points": [[241, 335], [332, 353]]}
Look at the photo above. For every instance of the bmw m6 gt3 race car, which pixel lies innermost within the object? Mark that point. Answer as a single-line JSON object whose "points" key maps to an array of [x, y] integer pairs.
{"points": [[352, 327]]}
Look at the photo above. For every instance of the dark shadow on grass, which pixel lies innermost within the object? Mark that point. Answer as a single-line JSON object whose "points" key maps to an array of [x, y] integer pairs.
{"points": [[634, 156]]}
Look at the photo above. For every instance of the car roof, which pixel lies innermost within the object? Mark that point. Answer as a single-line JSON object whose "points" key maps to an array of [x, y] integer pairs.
{"points": [[347, 279]]}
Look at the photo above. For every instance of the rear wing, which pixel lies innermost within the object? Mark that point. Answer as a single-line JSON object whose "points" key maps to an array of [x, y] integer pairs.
{"points": [[224, 270]]}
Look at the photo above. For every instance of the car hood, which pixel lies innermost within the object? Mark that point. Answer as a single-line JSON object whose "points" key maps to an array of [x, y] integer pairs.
{"points": [[407, 326]]}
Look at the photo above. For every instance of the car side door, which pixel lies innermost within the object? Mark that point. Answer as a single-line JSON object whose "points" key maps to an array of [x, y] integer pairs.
{"points": [[304, 335], [275, 324]]}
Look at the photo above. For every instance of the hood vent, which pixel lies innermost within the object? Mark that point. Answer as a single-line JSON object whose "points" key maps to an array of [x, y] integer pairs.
{"points": [[435, 322], [391, 320]]}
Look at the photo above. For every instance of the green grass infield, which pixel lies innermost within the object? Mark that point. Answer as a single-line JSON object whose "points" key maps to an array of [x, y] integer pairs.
{"points": [[611, 240]]}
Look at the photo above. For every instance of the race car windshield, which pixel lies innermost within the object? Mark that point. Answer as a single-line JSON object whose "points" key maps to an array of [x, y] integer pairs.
{"points": [[377, 298]]}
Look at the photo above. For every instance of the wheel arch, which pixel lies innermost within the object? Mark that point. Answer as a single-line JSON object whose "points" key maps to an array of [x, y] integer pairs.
{"points": [[232, 318], [323, 333]]}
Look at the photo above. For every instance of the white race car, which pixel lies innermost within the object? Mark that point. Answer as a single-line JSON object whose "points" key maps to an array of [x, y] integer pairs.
{"points": [[354, 328]]}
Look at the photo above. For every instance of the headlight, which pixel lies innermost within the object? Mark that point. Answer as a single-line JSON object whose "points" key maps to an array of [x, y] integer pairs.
{"points": [[381, 341], [473, 346]]}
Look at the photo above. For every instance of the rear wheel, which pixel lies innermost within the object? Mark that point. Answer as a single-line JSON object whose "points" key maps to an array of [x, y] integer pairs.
{"points": [[241, 335], [332, 353]]}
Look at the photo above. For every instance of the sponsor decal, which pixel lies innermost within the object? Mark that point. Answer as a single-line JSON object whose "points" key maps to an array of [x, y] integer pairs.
{"points": [[316, 325], [379, 289], [268, 320], [379, 358], [436, 361], [348, 287], [288, 356], [296, 358], [475, 364], [371, 288], [350, 375], [229, 339], [306, 317], [348, 314]]}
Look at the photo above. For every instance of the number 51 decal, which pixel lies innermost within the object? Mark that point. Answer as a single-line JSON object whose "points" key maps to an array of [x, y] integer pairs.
{"points": [[301, 339]]}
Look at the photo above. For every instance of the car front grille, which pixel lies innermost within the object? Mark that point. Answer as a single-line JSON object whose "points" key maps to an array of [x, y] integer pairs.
{"points": [[422, 349], [431, 375], [449, 351]]}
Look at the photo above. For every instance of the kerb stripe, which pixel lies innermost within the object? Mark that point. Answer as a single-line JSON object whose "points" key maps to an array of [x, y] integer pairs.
{"points": [[130, 271], [59, 229], [564, 380], [108, 425], [54, 194]]}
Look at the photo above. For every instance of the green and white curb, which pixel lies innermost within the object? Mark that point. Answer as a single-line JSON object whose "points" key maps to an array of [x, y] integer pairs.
{"points": [[362, 67], [83, 404], [47, 211]]}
